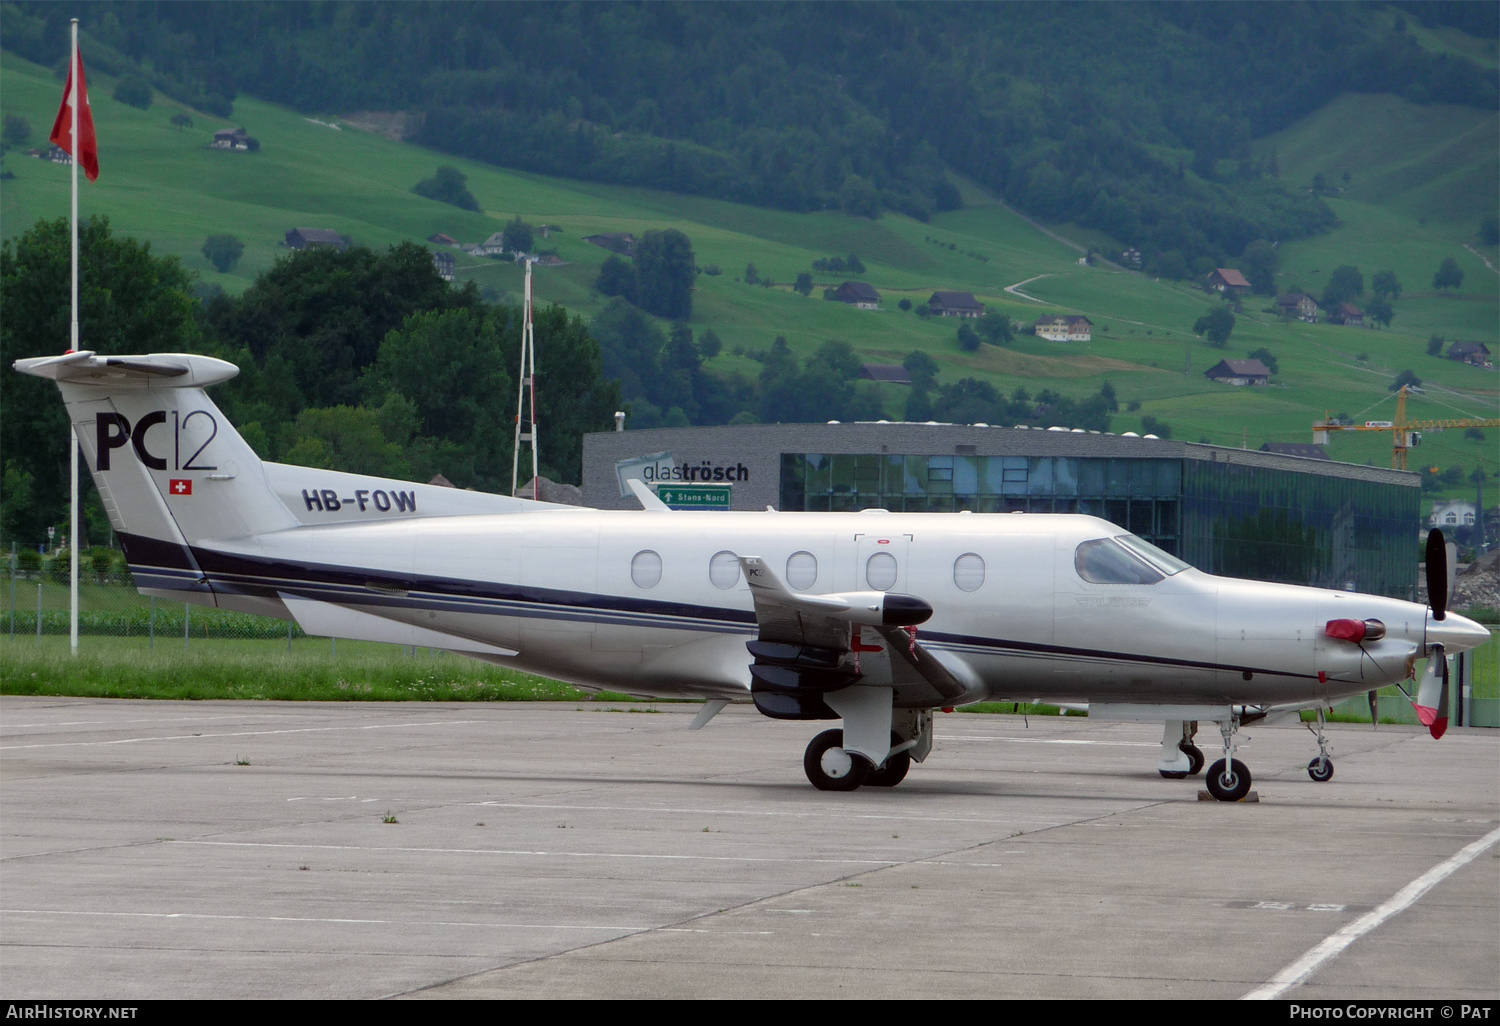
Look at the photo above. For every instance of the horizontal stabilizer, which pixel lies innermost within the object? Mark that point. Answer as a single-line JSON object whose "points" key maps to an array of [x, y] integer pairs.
{"points": [[158, 370], [327, 620]]}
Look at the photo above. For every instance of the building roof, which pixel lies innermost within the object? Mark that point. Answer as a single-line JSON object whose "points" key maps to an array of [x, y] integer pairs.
{"points": [[955, 300], [1304, 449], [858, 292], [315, 236], [1238, 369], [892, 372], [1294, 298], [1468, 349], [1349, 310], [1229, 276]]}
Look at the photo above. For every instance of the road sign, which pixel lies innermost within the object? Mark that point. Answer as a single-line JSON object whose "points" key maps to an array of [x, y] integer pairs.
{"points": [[694, 496]]}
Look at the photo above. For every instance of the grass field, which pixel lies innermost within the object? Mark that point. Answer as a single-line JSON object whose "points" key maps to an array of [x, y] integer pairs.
{"points": [[1420, 180]]}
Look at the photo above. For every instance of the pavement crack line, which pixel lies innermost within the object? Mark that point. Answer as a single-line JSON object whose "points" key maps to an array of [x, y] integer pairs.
{"points": [[685, 924]]}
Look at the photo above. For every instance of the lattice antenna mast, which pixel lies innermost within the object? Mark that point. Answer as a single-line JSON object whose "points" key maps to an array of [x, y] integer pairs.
{"points": [[526, 425]]}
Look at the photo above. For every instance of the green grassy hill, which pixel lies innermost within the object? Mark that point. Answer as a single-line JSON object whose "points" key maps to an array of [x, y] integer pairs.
{"points": [[1420, 180]]}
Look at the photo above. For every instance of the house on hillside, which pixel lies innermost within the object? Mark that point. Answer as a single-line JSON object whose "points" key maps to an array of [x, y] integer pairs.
{"points": [[1065, 328], [1239, 372], [445, 264], [438, 238], [956, 304], [1476, 354], [231, 139], [1131, 256], [622, 243], [891, 372], [1228, 281], [1348, 315], [302, 238], [858, 295], [1453, 513], [1306, 450], [492, 246], [1299, 305]]}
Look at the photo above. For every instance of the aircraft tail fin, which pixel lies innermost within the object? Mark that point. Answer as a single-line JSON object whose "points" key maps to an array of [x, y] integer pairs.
{"points": [[170, 468]]}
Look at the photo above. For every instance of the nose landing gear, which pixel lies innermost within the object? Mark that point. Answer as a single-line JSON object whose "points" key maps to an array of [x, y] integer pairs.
{"points": [[1228, 779], [1321, 768]]}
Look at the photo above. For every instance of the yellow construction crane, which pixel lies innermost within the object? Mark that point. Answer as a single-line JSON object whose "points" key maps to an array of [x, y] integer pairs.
{"points": [[1407, 434]]}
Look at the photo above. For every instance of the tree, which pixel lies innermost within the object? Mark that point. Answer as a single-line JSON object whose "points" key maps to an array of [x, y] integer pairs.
{"points": [[517, 237], [905, 305], [1489, 230], [859, 198], [1435, 345], [130, 301], [181, 121], [1449, 275], [1385, 285], [1345, 283], [133, 91], [665, 267], [1380, 311], [968, 338], [804, 284], [1259, 261], [995, 328], [447, 186], [922, 368], [16, 132], [617, 278], [752, 276], [223, 251], [1406, 379], [1216, 325]]}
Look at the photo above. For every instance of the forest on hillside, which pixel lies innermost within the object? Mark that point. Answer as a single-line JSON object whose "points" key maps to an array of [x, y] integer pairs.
{"points": [[1133, 119]]}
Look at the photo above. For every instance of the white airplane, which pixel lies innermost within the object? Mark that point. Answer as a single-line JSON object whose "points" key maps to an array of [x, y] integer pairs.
{"points": [[874, 618]]}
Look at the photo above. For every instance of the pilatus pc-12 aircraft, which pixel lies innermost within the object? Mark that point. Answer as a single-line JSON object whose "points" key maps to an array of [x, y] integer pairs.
{"points": [[876, 619]]}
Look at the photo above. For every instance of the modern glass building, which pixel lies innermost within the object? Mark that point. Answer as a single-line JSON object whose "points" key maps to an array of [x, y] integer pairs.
{"points": [[1227, 511]]}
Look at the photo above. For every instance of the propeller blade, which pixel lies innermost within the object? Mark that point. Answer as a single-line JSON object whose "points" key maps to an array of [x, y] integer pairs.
{"points": [[1374, 697], [1431, 704], [1437, 574]]}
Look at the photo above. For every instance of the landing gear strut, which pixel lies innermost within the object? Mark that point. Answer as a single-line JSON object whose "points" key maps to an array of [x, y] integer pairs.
{"points": [[1321, 768], [1228, 779]]}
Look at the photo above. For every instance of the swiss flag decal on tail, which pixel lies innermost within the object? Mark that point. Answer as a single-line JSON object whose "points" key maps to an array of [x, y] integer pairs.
{"points": [[181, 486]]}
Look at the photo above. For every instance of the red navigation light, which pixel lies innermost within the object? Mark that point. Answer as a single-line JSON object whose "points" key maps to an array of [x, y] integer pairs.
{"points": [[1348, 630]]}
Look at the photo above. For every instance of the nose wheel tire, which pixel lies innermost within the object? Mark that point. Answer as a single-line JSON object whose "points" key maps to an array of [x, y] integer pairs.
{"points": [[1321, 769], [829, 767], [1228, 784]]}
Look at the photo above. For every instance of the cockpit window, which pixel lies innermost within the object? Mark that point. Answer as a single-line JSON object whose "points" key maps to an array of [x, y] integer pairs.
{"points": [[1164, 561], [1109, 561]]}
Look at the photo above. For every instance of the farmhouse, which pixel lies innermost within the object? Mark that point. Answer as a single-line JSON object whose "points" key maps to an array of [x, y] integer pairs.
{"points": [[1299, 305], [622, 243], [1476, 354], [301, 238], [892, 372], [956, 304], [1453, 513], [1348, 315], [444, 263], [1239, 372], [1065, 328], [230, 139], [443, 240], [1228, 281], [858, 295]]}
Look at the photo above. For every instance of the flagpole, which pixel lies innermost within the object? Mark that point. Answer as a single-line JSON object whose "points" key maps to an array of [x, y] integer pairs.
{"points": [[76, 76]]}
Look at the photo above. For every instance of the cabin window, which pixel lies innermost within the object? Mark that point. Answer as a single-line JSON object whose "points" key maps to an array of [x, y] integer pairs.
{"points": [[802, 570], [724, 570], [645, 569], [968, 571], [880, 571]]}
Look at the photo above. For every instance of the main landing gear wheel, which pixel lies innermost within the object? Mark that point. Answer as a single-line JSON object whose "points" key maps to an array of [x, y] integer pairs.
{"points": [[894, 770], [1196, 754], [1321, 769], [1195, 757], [829, 767], [1228, 786]]}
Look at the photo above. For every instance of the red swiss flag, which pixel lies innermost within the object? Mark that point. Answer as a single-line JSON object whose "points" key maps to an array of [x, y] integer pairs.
{"points": [[181, 486], [87, 151]]}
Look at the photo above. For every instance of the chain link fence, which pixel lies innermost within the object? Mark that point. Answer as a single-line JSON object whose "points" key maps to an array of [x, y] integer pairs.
{"points": [[36, 593]]}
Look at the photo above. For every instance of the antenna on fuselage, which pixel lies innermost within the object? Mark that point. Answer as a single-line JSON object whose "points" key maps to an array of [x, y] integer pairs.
{"points": [[526, 391]]}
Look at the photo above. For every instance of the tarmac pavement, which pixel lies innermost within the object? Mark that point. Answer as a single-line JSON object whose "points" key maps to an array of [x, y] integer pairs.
{"points": [[241, 850]]}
